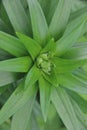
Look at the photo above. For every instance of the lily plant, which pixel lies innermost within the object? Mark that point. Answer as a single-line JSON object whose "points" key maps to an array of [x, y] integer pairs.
{"points": [[43, 65]]}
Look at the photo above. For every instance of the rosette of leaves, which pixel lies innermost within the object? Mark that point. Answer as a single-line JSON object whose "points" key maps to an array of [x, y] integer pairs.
{"points": [[43, 65]]}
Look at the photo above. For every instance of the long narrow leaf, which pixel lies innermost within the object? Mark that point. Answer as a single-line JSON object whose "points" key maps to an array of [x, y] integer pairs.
{"points": [[39, 25], [7, 78], [52, 78], [73, 83], [16, 64], [71, 35], [48, 7], [77, 52], [50, 47], [18, 99], [60, 18], [17, 16], [24, 3], [5, 18], [78, 13], [68, 65], [19, 121], [54, 122], [34, 123], [45, 91], [80, 115], [3, 26], [32, 76], [81, 74], [12, 45], [65, 109], [31, 45], [82, 103], [4, 55], [38, 116]]}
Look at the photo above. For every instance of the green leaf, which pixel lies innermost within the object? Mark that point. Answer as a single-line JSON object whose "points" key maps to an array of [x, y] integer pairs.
{"points": [[17, 16], [50, 47], [18, 99], [7, 78], [39, 25], [77, 13], [72, 82], [80, 115], [16, 64], [63, 128], [77, 52], [53, 118], [84, 67], [67, 65], [38, 116], [60, 18], [52, 78], [31, 45], [24, 3], [3, 26], [4, 17], [82, 18], [34, 123], [45, 91], [71, 35], [82, 103], [11, 44], [81, 74], [4, 55], [54, 122], [32, 76], [5, 126], [82, 39], [48, 7], [19, 121], [64, 108], [78, 4]]}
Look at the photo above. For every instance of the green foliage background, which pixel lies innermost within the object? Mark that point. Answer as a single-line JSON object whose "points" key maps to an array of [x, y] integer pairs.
{"points": [[43, 64]]}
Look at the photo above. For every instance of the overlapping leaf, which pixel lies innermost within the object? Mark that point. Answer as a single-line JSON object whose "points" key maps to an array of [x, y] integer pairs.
{"points": [[31, 45], [60, 18], [19, 121], [67, 76], [4, 17], [3, 26], [50, 47], [77, 52], [49, 7], [38, 116], [67, 65], [73, 83], [52, 78], [39, 25], [17, 16], [11, 45], [71, 35], [81, 117], [21, 64], [45, 92], [7, 78], [82, 103], [65, 109], [4, 55], [54, 122], [18, 99], [32, 76], [78, 4]]}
